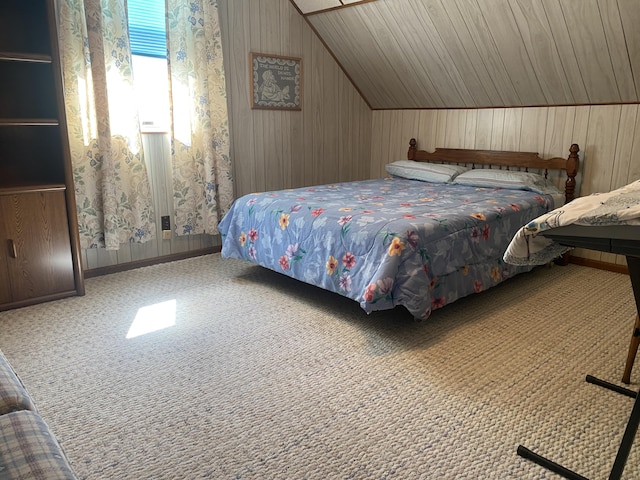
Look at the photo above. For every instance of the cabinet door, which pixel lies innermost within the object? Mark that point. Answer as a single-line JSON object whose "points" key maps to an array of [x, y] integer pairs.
{"points": [[35, 234], [5, 289]]}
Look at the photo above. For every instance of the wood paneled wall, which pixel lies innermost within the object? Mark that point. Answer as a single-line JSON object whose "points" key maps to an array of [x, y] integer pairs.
{"points": [[487, 53], [157, 158], [337, 137], [329, 140], [608, 136]]}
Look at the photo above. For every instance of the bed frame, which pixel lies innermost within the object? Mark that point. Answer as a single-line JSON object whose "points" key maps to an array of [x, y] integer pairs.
{"points": [[503, 159]]}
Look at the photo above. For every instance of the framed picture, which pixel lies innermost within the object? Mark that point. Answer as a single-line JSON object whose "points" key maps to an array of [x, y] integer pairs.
{"points": [[276, 81]]}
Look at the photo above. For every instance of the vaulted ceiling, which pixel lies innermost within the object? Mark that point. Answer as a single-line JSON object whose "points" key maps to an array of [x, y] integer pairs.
{"points": [[483, 53]]}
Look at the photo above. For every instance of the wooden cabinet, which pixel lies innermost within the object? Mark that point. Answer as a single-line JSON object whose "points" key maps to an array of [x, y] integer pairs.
{"points": [[37, 254], [39, 246]]}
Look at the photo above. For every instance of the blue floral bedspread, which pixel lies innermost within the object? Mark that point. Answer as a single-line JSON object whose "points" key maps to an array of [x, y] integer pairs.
{"points": [[384, 242]]}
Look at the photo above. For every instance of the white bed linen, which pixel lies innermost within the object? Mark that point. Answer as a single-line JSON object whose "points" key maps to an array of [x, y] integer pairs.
{"points": [[617, 207]]}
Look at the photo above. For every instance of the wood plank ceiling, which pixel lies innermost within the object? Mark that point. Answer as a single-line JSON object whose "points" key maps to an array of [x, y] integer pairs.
{"points": [[483, 53]]}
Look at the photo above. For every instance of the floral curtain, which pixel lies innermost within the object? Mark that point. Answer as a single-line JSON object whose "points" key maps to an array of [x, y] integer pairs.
{"points": [[203, 184], [113, 193]]}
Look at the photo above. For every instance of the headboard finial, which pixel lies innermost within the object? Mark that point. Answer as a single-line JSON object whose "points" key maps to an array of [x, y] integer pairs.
{"points": [[411, 155], [572, 170]]}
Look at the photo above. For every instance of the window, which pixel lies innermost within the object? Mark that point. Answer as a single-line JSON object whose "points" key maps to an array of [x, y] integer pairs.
{"points": [[147, 32]]}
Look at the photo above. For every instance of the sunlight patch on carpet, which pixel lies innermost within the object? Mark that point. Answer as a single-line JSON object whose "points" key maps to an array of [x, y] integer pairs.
{"points": [[152, 318]]}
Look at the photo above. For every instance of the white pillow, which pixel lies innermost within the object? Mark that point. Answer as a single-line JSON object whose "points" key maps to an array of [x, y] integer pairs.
{"points": [[515, 180], [425, 171]]}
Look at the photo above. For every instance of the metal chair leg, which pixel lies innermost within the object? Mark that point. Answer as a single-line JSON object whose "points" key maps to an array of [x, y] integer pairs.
{"points": [[633, 350]]}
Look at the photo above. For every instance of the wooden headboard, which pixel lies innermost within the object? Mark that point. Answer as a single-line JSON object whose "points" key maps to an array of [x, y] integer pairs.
{"points": [[502, 159]]}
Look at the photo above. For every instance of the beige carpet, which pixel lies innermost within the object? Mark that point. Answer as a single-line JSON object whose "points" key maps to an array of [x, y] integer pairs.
{"points": [[262, 377]]}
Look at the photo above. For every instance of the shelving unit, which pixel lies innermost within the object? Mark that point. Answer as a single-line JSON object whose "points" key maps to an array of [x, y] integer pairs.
{"points": [[39, 245]]}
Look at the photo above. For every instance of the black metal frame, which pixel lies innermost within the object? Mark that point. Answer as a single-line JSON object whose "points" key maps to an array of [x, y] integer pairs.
{"points": [[632, 251]]}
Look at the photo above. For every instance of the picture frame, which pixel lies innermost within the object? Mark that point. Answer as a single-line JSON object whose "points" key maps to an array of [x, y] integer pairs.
{"points": [[276, 82]]}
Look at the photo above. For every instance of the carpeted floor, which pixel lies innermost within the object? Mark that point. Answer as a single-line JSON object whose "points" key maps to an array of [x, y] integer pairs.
{"points": [[262, 377]]}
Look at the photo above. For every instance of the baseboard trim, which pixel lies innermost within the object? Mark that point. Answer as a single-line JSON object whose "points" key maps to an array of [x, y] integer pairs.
{"points": [[587, 262], [96, 272], [122, 267]]}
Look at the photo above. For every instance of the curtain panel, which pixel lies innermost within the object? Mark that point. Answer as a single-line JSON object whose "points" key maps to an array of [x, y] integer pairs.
{"points": [[113, 193], [203, 183]]}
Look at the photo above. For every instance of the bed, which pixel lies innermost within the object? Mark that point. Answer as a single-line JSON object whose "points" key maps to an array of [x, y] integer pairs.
{"points": [[434, 230]]}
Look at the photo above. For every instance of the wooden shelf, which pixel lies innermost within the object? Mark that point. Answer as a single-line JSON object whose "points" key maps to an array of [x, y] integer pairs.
{"points": [[28, 122], [38, 215], [30, 188], [28, 90], [25, 57], [26, 26]]}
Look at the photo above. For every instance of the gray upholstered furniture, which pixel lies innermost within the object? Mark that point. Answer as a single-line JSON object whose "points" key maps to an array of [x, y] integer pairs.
{"points": [[28, 448]]}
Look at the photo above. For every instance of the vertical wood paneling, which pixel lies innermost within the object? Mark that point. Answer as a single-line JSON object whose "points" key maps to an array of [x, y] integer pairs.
{"points": [[580, 125], [533, 26], [590, 49], [329, 161], [441, 127], [480, 41], [460, 39], [317, 107], [341, 97], [381, 43], [512, 129], [293, 132], [602, 135], [236, 60], [344, 42], [157, 156], [282, 149], [336, 136], [362, 125], [513, 54], [624, 146], [409, 124], [256, 117], [487, 53], [558, 138], [534, 121], [378, 158], [305, 161], [608, 135], [471, 124], [630, 16], [427, 135], [450, 82], [284, 124], [634, 165], [386, 135], [484, 129], [497, 129], [269, 41], [420, 82], [561, 29], [158, 161], [272, 160], [473, 77], [617, 49], [398, 124], [455, 128]]}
